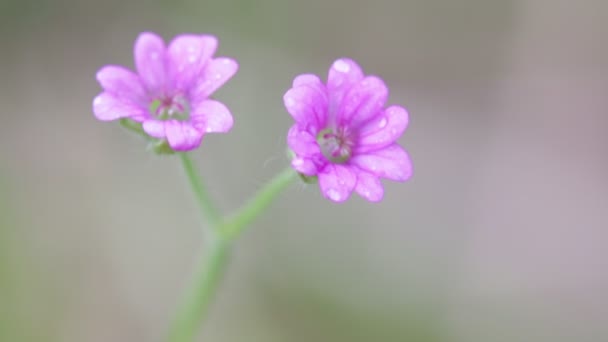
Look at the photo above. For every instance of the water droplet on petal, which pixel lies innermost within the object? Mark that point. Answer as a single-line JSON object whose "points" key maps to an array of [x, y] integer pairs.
{"points": [[297, 162], [192, 58], [226, 61], [341, 66], [334, 195], [382, 123], [218, 76], [98, 101], [191, 48], [367, 194], [290, 102]]}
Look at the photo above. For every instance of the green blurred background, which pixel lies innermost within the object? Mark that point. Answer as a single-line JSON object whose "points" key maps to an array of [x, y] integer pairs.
{"points": [[501, 235]]}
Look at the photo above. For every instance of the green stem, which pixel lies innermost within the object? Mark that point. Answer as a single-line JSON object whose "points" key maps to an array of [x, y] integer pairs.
{"points": [[134, 127], [195, 307], [221, 235], [234, 225], [204, 202]]}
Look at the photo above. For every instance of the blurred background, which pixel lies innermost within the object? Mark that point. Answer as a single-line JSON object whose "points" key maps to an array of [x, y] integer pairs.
{"points": [[501, 235]]}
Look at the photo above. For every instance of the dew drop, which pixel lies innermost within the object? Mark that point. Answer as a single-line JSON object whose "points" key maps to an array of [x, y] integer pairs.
{"points": [[382, 123], [333, 194], [98, 101], [341, 66], [367, 194], [226, 61], [218, 76], [290, 102], [297, 162], [192, 58]]}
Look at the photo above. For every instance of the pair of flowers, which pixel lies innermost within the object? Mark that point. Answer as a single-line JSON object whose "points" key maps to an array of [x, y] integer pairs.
{"points": [[343, 134]]}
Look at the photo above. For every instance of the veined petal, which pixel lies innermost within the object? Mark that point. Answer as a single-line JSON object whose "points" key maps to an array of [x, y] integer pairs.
{"points": [[150, 61], [363, 102], [302, 143], [154, 128], [382, 130], [216, 72], [182, 136], [343, 74], [211, 116], [307, 104], [337, 182], [108, 107], [122, 83], [187, 55], [391, 162], [369, 186]]}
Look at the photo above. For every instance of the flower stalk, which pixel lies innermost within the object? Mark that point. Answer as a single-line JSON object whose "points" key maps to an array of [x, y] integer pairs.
{"points": [[220, 235]]}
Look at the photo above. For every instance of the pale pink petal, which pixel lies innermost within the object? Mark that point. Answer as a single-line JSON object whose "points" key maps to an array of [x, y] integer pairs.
{"points": [[187, 56], [302, 143], [307, 79], [369, 186], [122, 83], [304, 166], [308, 106], [343, 74], [108, 107], [391, 162], [154, 128], [182, 136], [150, 61], [382, 130], [363, 102], [211, 116], [337, 182], [215, 73]]}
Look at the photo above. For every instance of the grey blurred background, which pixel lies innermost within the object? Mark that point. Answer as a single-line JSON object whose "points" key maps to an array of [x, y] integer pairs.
{"points": [[501, 235]]}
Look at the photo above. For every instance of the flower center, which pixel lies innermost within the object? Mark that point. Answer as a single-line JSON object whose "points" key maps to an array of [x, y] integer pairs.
{"points": [[336, 145], [170, 107]]}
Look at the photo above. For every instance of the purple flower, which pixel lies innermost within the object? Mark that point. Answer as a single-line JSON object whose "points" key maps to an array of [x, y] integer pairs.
{"points": [[169, 94], [344, 135]]}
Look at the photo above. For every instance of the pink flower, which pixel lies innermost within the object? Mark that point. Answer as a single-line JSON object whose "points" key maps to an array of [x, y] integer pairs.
{"points": [[344, 135], [169, 94]]}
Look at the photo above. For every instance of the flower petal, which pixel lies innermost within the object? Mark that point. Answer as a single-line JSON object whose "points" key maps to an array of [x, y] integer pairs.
{"points": [[308, 106], [304, 166], [369, 186], [302, 143], [150, 61], [187, 55], [182, 136], [337, 182], [391, 162], [215, 73], [108, 107], [382, 130], [343, 74], [154, 128], [122, 83], [307, 79], [211, 116], [363, 102]]}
